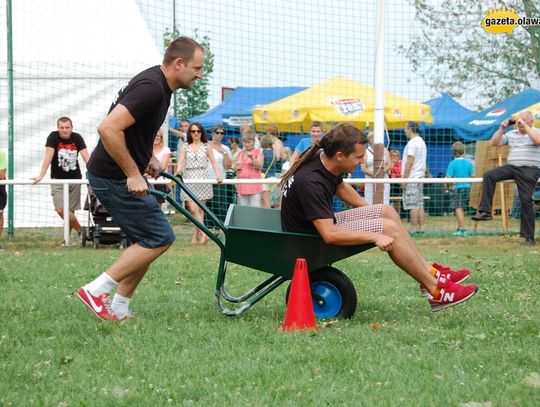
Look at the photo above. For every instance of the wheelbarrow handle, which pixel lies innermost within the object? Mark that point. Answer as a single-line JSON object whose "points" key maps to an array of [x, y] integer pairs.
{"points": [[178, 180]]}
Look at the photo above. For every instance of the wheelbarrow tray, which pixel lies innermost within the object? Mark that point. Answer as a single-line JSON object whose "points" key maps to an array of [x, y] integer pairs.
{"points": [[255, 239]]}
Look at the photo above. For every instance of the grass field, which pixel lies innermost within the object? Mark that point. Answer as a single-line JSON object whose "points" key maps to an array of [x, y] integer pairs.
{"points": [[180, 351]]}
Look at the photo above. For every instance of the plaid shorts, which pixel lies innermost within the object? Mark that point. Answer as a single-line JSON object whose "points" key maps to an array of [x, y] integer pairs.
{"points": [[363, 219], [460, 198], [413, 196]]}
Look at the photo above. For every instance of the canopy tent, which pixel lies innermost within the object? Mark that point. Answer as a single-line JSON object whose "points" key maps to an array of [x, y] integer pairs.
{"points": [[483, 124], [338, 100], [238, 107], [446, 112]]}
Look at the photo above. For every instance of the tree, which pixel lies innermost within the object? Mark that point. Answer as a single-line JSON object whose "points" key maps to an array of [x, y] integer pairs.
{"points": [[192, 102], [455, 55]]}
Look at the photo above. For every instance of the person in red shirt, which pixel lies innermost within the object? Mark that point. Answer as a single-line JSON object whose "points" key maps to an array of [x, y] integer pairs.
{"points": [[395, 172]]}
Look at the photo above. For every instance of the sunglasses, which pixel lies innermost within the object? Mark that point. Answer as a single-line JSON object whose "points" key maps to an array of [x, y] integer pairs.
{"points": [[195, 131], [219, 132]]}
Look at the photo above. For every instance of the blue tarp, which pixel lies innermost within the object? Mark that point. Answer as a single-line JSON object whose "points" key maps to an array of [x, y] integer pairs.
{"points": [[446, 113], [483, 124], [237, 108]]}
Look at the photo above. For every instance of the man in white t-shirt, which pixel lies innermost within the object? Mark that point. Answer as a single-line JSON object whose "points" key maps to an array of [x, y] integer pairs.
{"points": [[414, 166]]}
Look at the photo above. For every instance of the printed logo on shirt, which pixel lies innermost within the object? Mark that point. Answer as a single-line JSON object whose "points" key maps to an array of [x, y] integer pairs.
{"points": [[67, 156]]}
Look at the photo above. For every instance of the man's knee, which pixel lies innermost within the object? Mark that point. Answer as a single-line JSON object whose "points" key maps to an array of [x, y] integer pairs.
{"points": [[392, 228], [389, 212]]}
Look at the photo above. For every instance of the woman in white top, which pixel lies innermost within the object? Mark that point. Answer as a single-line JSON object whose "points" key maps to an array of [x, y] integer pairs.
{"points": [[223, 193], [163, 155], [193, 163], [367, 168]]}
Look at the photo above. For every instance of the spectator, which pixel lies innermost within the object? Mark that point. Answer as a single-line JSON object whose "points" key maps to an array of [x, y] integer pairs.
{"points": [[315, 133], [395, 172], [414, 167], [62, 150], [219, 204], [277, 146], [269, 171], [308, 190], [523, 167], [234, 144], [163, 155], [116, 173], [195, 157], [3, 194], [367, 168], [459, 167], [286, 159], [180, 133], [248, 166]]}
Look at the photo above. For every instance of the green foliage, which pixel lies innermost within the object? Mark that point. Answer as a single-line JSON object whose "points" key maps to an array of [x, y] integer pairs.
{"points": [[192, 102], [180, 351], [455, 55]]}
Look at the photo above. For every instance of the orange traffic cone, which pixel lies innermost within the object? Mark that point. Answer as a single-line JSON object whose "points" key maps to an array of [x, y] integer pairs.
{"points": [[300, 314]]}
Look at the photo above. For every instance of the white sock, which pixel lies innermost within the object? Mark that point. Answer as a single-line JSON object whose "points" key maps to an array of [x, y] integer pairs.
{"points": [[120, 305], [101, 285]]}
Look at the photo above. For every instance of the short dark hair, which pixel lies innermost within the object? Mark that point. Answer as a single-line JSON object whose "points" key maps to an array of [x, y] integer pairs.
{"points": [[64, 119], [414, 126], [181, 47], [315, 123], [200, 127]]}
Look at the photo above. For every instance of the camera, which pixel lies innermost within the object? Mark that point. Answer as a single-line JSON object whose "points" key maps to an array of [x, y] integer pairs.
{"points": [[511, 122]]}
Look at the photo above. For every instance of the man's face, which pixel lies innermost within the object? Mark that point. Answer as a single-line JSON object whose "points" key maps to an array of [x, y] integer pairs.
{"points": [[526, 118], [350, 162], [184, 127], [65, 129], [192, 70], [315, 133]]}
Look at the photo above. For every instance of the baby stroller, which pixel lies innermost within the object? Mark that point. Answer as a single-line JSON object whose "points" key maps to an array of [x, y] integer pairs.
{"points": [[101, 228]]}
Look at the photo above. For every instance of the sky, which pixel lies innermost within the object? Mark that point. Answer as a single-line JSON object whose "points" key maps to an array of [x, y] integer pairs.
{"points": [[294, 42]]}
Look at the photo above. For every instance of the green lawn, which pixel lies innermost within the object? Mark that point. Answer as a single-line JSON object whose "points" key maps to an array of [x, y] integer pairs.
{"points": [[181, 351]]}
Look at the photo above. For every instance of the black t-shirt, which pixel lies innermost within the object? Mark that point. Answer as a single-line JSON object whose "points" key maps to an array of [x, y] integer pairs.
{"points": [[65, 163], [308, 196], [147, 97]]}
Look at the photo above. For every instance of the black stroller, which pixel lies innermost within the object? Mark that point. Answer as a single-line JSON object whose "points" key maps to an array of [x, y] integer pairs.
{"points": [[101, 228]]}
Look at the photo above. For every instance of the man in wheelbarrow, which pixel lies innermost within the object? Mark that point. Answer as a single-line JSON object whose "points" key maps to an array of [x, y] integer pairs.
{"points": [[116, 168], [308, 191]]}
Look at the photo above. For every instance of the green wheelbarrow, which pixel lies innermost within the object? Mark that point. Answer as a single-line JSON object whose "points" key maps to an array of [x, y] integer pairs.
{"points": [[253, 238]]}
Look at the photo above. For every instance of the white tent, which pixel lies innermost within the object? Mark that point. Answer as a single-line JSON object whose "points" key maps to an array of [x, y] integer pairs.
{"points": [[70, 59]]}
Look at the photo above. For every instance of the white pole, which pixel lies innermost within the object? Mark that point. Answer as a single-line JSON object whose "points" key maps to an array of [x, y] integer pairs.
{"points": [[66, 215], [378, 125]]}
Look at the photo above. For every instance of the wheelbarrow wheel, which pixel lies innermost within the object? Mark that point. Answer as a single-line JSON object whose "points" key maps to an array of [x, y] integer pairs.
{"points": [[333, 293]]}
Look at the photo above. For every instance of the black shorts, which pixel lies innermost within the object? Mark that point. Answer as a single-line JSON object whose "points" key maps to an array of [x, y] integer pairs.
{"points": [[3, 197]]}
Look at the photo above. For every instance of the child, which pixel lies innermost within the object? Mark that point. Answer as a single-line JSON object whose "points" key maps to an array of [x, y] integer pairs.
{"points": [[459, 167]]}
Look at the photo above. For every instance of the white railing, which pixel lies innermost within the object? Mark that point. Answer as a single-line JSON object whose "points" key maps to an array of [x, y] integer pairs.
{"points": [[66, 183]]}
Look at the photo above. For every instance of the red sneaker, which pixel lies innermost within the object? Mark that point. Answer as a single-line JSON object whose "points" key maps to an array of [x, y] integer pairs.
{"points": [[451, 294], [456, 276], [99, 305]]}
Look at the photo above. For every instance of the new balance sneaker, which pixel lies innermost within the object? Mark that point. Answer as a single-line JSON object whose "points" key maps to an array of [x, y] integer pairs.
{"points": [[99, 305], [450, 294], [456, 276]]}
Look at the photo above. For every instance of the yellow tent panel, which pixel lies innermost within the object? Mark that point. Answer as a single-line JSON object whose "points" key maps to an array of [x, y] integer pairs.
{"points": [[338, 100]]}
